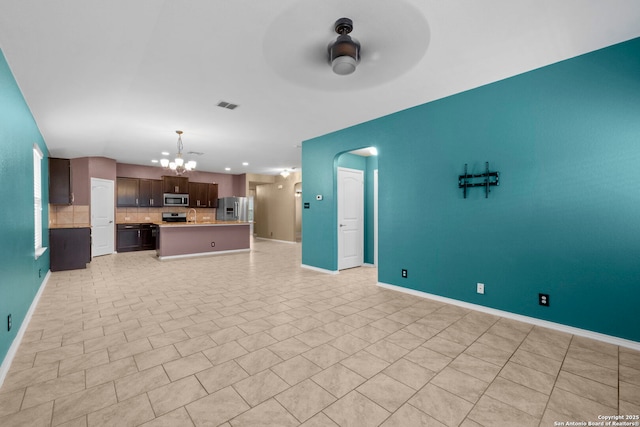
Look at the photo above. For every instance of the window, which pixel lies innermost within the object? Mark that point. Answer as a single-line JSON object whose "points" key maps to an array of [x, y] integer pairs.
{"points": [[37, 201]]}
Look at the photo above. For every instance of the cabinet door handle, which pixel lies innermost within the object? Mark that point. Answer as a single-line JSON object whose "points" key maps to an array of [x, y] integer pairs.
{"points": [[138, 233], [151, 202], [136, 202]]}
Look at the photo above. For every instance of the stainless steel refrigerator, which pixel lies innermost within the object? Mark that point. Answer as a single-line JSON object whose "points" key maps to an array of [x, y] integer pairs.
{"points": [[235, 209]]}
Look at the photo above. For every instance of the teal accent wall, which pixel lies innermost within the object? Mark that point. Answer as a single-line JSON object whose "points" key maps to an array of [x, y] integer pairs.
{"points": [[20, 273], [564, 220]]}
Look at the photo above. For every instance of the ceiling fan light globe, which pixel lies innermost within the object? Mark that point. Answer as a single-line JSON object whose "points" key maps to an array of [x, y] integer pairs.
{"points": [[164, 163], [173, 166], [179, 161], [191, 164], [343, 65]]}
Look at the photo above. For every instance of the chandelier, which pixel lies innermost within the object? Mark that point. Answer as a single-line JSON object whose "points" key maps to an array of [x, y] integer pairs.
{"points": [[178, 165]]}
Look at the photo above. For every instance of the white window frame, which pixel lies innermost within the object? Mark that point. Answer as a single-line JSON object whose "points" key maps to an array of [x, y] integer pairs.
{"points": [[37, 201]]}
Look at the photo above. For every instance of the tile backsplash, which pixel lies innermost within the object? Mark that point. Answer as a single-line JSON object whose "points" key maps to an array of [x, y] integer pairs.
{"points": [[79, 214], [69, 215], [141, 215]]}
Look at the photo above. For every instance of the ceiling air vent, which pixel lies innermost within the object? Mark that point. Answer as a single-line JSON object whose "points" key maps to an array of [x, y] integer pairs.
{"points": [[227, 105], [195, 153]]}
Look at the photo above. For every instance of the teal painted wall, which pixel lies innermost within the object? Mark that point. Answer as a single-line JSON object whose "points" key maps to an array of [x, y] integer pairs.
{"points": [[564, 220], [19, 271]]}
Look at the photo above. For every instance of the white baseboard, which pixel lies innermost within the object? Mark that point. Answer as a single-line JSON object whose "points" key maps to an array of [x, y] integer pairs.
{"points": [[200, 254], [318, 269], [6, 363], [276, 240], [634, 345]]}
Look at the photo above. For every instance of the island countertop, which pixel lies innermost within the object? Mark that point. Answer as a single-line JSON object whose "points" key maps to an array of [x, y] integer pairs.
{"points": [[200, 224]]}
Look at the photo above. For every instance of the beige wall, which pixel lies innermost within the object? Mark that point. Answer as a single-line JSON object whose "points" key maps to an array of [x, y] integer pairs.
{"points": [[275, 208]]}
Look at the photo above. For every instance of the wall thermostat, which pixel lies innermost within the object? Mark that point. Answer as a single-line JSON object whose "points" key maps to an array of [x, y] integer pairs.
{"points": [[319, 197]]}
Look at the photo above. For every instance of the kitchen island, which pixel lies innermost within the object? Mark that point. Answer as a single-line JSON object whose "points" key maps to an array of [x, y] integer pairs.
{"points": [[179, 240]]}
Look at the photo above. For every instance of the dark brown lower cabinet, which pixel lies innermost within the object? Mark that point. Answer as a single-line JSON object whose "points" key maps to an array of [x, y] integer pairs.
{"points": [[70, 248], [136, 237]]}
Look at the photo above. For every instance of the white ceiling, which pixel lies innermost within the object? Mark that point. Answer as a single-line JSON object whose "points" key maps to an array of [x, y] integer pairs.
{"points": [[116, 78]]}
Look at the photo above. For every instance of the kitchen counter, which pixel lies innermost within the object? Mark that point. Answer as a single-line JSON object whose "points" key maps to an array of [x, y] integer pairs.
{"points": [[181, 239], [200, 224], [56, 226]]}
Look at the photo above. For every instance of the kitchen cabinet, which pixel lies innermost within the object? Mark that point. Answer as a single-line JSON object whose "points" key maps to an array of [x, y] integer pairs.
{"points": [[60, 181], [198, 194], [175, 184], [127, 192], [134, 192], [148, 236], [128, 237], [70, 248], [213, 196], [203, 195], [136, 237], [150, 193]]}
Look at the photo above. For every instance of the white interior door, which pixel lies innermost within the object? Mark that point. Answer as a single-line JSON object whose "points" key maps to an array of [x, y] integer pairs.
{"points": [[102, 211], [350, 218]]}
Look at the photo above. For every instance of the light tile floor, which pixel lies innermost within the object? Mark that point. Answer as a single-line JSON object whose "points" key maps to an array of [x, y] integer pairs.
{"points": [[253, 339]]}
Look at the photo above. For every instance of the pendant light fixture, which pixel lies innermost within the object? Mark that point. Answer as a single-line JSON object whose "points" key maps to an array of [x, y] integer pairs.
{"points": [[344, 53], [178, 165]]}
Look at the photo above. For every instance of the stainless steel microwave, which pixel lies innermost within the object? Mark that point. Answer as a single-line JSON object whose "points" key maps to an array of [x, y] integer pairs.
{"points": [[176, 199]]}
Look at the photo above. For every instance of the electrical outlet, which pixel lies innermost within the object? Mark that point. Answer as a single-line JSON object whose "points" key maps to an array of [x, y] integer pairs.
{"points": [[404, 273], [9, 323], [480, 288], [543, 299]]}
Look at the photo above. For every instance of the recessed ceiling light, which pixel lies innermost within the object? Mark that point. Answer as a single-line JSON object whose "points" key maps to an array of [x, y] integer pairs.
{"points": [[245, 163], [227, 169], [165, 153], [154, 161]]}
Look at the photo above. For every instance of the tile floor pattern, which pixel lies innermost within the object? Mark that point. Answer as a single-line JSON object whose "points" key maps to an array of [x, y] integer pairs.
{"points": [[253, 339]]}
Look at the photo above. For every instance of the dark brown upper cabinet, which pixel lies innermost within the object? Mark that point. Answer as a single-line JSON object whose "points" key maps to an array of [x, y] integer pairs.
{"points": [[127, 192], [203, 195], [175, 184], [213, 195], [134, 192], [60, 181], [150, 193], [198, 194]]}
